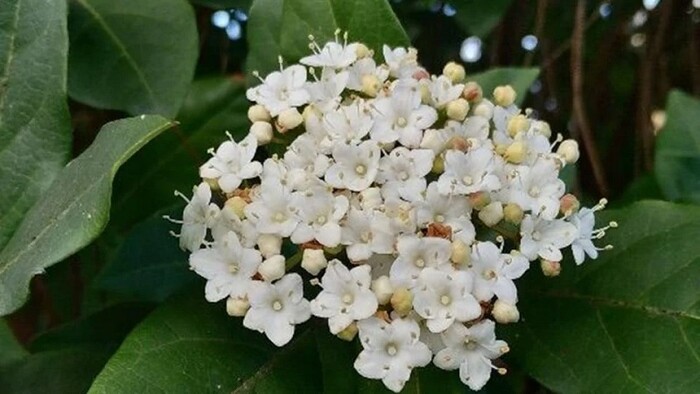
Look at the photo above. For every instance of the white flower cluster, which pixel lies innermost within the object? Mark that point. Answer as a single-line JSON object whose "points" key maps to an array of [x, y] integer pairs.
{"points": [[415, 200]]}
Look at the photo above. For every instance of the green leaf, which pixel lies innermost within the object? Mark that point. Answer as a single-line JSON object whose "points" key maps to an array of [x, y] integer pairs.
{"points": [[627, 322], [282, 27], [519, 78], [10, 349], [224, 4], [479, 17], [677, 163], [132, 55], [189, 345], [149, 265], [74, 209], [35, 135]]}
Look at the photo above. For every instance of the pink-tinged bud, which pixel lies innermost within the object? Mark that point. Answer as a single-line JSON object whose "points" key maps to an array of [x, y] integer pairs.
{"points": [[459, 143], [479, 200], [472, 92], [550, 268], [569, 204], [420, 74]]}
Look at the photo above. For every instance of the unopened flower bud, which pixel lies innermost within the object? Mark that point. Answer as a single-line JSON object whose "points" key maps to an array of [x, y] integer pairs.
{"points": [[484, 109], [455, 72], [269, 245], [370, 198], [568, 150], [479, 200], [492, 213], [262, 131], [237, 306], [501, 149], [272, 268], [371, 85], [310, 112], [348, 333], [505, 313], [421, 73], [541, 127], [457, 109], [402, 301], [459, 143], [472, 92], [289, 119], [504, 95], [433, 140], [516, 152], [516, 124], [569, 204], [213, 183], [438, 165], [550, 268], [460, 253], [658, 120], [361, 50], [313, 261], [258, 113], [513, 213], [425, 96], [382, 289], [236, 205]]}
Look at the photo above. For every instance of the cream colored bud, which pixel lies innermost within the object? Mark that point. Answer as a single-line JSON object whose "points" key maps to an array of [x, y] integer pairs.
{"points": [[438, 165], [371, 85], [505, 313], [402, 301], [237, 306], [501, 149], [289, 119], [309, 112], [492, 213], [457, 109], [269, 245], [236, 205], [433, 140], [472, 92], [455, 72], [361, 50], [658, 120], [272, 268], [479, 200], [213, 184], [513, 213], [484, 109], [313, 261], [568, 150], [370, 198], [425, 96], [349, 333], [569, 204], [258, 113], [461, 254], [541, 127], [516, 152], [517, 124], [504, 95], [262, 131], [382, 289], [550, 268]]}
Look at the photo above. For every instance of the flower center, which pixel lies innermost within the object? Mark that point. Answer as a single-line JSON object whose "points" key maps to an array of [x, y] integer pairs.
{"points": [[347, 298], [401, 122], [537, 236], [403, 175], [534, 191], [360, 169], [471, 345], [391, 349], [279, 217], [439, 218], [445, 300], [277, 306], [366, 236], [468, 180], [420, 263], [488, 274], [321, 219], [233, 267]]}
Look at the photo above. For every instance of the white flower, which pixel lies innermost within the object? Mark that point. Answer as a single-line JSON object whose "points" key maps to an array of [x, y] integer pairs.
{"points": [[232, 163], [471, 350], [390, 351], [450, 210], [281, 90], [229, 221], [355, 167], [365, 233], [349, 123], [325, 92], [401, 117], [584, 221], [442, 91], [272, 212], [333, 54], [415, 254], [276, 308], [366, 68], [319, 211], [228, 267], [199, 214], [403, 171], [346, 296], [402, 62], [537, 188], [494, 272], [544, 238], [445, 297], [470, 172]]}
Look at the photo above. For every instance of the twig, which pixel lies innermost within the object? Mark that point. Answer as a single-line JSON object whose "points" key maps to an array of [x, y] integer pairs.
{"points": [[579, 109], [540, 18], [561, 49]]}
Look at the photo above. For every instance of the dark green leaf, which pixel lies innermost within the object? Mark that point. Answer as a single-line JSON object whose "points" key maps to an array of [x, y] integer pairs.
{"points": [[132, 55], [75, 208], [479, 17], [677, 163], [10, 349], [627, 322], [643, 188], [282, 27], [519, 78], [224, 4], [35, 130], [189, 345]]}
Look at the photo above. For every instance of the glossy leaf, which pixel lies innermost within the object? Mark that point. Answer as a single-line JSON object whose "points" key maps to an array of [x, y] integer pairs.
{"points": [[282, 27], [519, 78], [189, 345], [628, 322], [132, 55], [75, 208], [479, 17], [35, 130], [677, 163]]}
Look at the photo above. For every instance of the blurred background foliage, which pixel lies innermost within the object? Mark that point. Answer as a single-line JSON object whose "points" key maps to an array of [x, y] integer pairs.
{"points": [[606, 72]]}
